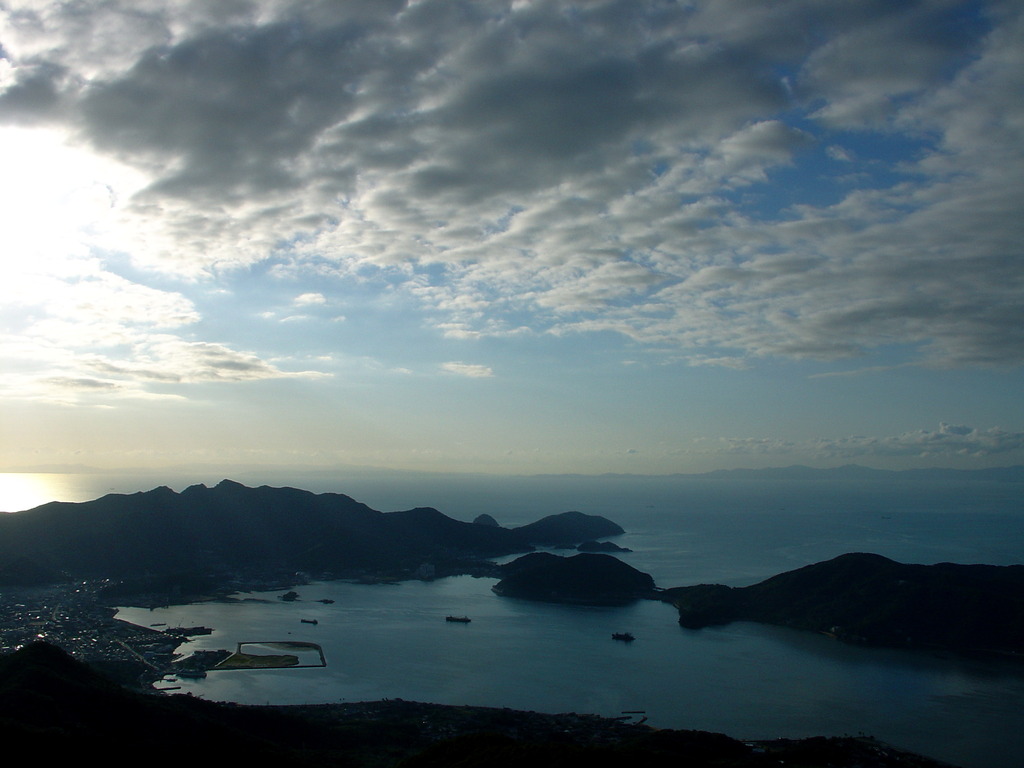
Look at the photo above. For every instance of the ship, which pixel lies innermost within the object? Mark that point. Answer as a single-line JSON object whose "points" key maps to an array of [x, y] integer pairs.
{"points": [[459, 619], [309, 621], [626, 637]]}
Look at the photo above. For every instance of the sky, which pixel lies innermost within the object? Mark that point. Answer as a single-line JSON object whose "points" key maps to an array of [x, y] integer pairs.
{"points": [[511, 237]]}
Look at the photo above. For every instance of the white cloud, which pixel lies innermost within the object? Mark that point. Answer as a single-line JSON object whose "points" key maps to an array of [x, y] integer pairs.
{"points": [[170, 359], [72, 331], [842, 154], [470, 370], [310, 299], [747, 154]]}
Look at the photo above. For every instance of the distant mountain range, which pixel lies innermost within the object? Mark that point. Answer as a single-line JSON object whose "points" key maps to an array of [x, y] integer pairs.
{"points": [[1011, 474], [232, 527], [1014, 474]]}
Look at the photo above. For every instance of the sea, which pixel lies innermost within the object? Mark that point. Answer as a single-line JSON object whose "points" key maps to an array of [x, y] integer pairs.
{"points": [[390, 641]]}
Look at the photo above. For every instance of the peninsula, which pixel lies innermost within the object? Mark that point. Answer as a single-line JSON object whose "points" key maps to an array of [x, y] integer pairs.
{"points": [[183, 543], [870, 599]]}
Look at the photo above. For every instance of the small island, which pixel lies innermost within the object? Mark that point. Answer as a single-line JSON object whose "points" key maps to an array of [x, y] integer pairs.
{"points": [[601, 546], [567, 529], [587, 579]]}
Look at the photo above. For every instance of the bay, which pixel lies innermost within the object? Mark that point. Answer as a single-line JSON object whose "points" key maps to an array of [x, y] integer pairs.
{"points": [[746, 680]]}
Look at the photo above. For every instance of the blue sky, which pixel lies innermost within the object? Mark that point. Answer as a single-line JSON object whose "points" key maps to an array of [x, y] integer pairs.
{"points": [[515, 237]]}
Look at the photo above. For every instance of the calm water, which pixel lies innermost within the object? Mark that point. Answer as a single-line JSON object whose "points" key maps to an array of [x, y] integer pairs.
{"points": [[746, 680]]}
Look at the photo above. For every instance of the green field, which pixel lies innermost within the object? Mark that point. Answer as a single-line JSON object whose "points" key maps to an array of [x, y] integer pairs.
{"points": [[253, 661], [249, 656]]}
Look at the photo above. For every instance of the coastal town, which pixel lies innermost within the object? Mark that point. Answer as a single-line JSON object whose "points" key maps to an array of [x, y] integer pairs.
{"points": [[72, 617]]}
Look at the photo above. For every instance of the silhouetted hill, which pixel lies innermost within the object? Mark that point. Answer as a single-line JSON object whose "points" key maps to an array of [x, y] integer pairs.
{"points": [[869, 598], [53, 708], [231, 526], [601, 546], [567, 529], [594, 579]]}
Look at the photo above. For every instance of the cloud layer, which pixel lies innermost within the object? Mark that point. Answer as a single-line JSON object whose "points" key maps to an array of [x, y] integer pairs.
{"points": [[948, 442], [572, 167], [371, 205]]}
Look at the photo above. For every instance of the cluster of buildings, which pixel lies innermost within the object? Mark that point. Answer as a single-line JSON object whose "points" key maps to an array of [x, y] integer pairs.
{"points": [[70, 617]]}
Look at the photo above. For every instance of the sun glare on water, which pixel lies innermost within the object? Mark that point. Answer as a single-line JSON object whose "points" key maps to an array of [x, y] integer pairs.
{"points": [[19, 492]]}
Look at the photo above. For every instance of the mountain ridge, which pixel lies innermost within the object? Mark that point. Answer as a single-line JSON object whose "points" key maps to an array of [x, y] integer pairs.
{"points": [[232, 526]]}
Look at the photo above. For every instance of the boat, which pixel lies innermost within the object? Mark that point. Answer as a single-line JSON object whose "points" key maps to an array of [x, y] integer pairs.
{"points": [[459, 619], [626, 637], [309, 621]]}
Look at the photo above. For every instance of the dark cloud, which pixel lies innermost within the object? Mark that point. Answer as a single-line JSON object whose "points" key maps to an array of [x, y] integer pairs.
{"points": [[36, 94], [82, 384], [890, 52], [230, 111]]}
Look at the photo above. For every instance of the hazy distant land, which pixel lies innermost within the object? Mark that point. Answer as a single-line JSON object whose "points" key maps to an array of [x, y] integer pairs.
{"points": [[1012, 473]]}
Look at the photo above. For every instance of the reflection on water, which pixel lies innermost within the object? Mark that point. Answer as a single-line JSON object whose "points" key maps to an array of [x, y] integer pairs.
{"points": [[25, 491]]}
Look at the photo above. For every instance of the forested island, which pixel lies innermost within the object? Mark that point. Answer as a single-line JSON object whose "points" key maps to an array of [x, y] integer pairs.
{"points": [[870, 599], [585, 579]]}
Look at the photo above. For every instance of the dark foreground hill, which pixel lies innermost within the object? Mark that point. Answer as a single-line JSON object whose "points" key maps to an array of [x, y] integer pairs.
{"points": [[53, 708], [234, 527], [870, 599]]}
